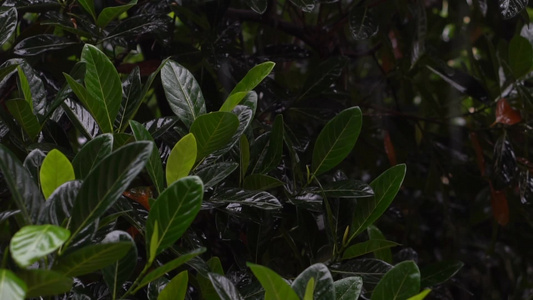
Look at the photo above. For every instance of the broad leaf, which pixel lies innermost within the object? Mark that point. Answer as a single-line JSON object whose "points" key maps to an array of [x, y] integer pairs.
{"points": [[401, 282], [82, 118], [213, 131], [362, 24], [176, 289], [92, 154], [348, 288], [225, 289], [38, 44], [336, 140], [154, 165], [310, 290], [371, 270], [440, 272], [511, 8], [121, 270], [24, 191], [245, 116], [520, 56], [275, 286], [174, 210], [23, 113], [24, 85], [108, 14], [32, 242], [369, 246], [181, 159], [59, 205], [183, 92], [43, 282], [212, 174], [262, 200], [55, 170], [261, 182], [8, 24], [11, 287], [106, 182], [33, 162], [132, 88], [323, 288]]}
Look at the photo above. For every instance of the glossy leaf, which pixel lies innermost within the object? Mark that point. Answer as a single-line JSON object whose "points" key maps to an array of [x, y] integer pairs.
{"points": [[154, 165], [511, 8], [261, 182], [59, 205], [440, 272], [461, 81], [55, 170], [81, 118], [24, 191], [520, 56], [8, 24], [43, 282], [323, 289], [245, 116], [11, 287], [504, 165], [336, 140], [106, 182], [370, 270], [41, 43], [91, 154], [91, 258], [108, 14], [262, 200], [24, 85], [346, 189], [304, 5], [420, 295], [176, 289], [385, 187], [174, 210], [212, 174], [375, 234], [32, 242], [401, 282], [103, 87], [181, 158], [183, 92], [274, 149], [33, 162], [366, 247], [275, 286], [121, 270], [213, 131], [505, 114], [362, 24], [225, 289], [254, 76], [22, 112], [88, 5], [348, 288]]}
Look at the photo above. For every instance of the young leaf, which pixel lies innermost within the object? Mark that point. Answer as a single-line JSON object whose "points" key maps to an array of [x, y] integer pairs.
{"points": [[106, 182], [440, 272], [401, 282], [176, 289], [181, 159], [309, 290], [336, 140], [174, 210], [55, 170], [11, 287], [183, 92], [8, 24], [421, 295], [276, 288], [33, 162], [108, 14], [369, 246], [25, 87], [91, 154], [254, 76], [154, 165], [224, 287], [385, 187], [42, 283], [348, 288], [22, 112], [213, 131], [32, 242], [120, 271], [323, 287]]}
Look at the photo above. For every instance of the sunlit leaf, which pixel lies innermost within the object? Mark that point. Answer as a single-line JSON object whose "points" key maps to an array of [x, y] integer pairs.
{"points": [[32, 242], [55, 170], [181, 158]]}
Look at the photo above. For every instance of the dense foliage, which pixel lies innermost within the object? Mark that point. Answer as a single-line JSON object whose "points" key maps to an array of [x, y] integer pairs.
{"points": [[211, 149]]}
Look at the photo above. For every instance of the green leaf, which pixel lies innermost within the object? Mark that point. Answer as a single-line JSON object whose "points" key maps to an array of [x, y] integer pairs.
{"points": [[520, 56], [244, 155], [33, 163], [385, 187], [348, 288], [181, 158], [154, 240], [55, 170], [169, 266], [245, 116], [369, 246], [106, 182], [421, 295], [323, 76], [22, 112], [274, 150], [440, 272], [323, 288], [91, 154], [304, 5], [154, 165], [362, 24], [336, 140], [121, 270], [41, 43], [346, 189], [8, 24], [254, 76], [24, 85], [375, 234], [174, 210], [91, 258], [309, 290], [259, 6], [88, 5], [132, 87], [275, 286], [261, 182], [262, 200], [42, 283], [401, 282], [212, 174], [225, 289], [103, 86], [81, 118], [32, 242], [59, 205], [24, 191], [108, 14], [183, 92], [11, 287], [176, 289], [511, 8], [370, 270], [213, 131]]}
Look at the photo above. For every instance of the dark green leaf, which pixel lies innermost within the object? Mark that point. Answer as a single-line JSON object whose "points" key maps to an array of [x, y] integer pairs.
{"points": [[59, 205], [38, 44], [224, 287], [108, 14], [121, 270], [511, 8], [440, 272], [22, 112], [504, 166], [344, 189], [259, 6], [520, 56], [213, 131], [43, 283], [275, 287], [183, 92], [11, 287], [323, 76], [131, 97], [81, 118], [261, 182], [362, 24], [348, 288], [176, 289], [304, 5], [324, 288], [91, 154], [33, 162], [274, 151], [154, 165], [8, 24], [375, 234], [369, 246], [212, 174], [371, 270], [237, 197], [174, 210], [401, 282]]}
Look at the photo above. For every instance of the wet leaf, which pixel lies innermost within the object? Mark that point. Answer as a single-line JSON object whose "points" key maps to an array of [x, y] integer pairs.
{"points": [[82, 119], [154, 165], [213, 131], [401, 282], [23, 113], [511, 8], [59, 205], [33, 162], [362, 24], [505, 114], [32, 242], [212, 174], [41, 43], [8, 24], [121, 270], [348, 189]]}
